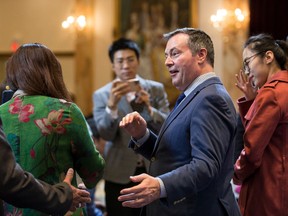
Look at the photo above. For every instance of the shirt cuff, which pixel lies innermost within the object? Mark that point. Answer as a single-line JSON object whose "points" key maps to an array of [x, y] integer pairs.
{"points": [[142, 140], [113, 113], [163, 193]]}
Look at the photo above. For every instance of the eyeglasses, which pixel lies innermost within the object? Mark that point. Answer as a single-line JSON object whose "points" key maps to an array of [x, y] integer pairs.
{"points": [[246, 62], [120, 62]]}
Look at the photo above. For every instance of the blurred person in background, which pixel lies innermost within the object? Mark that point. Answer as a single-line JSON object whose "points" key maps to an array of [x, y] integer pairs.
{"points": [[126, 93]]}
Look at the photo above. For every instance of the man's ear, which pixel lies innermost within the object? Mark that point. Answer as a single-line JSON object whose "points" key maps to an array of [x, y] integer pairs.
{"points": [[113, 67], [202, 53]]}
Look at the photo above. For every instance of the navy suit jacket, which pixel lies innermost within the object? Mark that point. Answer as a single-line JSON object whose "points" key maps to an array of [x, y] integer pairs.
{"points": [[193, 155]]}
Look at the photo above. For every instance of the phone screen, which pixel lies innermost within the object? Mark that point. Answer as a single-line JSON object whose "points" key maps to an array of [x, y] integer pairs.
{"points": [[134, 85]]}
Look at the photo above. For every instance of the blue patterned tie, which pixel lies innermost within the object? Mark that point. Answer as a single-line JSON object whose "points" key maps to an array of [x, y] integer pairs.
{"points": [[179, 99]]}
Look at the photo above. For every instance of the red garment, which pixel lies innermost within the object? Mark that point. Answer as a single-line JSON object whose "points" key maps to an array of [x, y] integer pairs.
{"points": [[263, 163]]}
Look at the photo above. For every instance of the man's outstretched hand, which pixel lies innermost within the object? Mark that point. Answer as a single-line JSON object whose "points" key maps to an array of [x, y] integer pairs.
{"points": [[80, 196]]}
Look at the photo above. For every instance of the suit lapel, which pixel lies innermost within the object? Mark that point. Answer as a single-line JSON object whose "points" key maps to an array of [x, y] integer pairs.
{"points": [[172, 116], [176, 112]]}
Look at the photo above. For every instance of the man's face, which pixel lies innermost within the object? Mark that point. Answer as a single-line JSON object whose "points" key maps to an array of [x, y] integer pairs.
{"points": [[125, 64], [182, 65]]}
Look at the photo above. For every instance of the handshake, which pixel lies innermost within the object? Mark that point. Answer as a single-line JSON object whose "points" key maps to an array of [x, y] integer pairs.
{"points": [[80, 195]]}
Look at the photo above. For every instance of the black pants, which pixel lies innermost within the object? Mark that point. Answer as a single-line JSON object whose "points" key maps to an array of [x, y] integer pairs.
{"points": [[112, 192]]}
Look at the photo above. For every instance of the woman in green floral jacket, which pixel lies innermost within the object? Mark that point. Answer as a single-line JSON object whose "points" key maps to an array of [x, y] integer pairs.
{"points": [[47, 132]]}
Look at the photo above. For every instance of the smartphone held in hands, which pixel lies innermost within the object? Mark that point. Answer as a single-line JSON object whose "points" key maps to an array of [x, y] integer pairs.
{"points": [[134, 84]]}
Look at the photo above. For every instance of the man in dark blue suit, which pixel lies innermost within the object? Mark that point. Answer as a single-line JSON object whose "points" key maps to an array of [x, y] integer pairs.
{"points": [[192, 157]]}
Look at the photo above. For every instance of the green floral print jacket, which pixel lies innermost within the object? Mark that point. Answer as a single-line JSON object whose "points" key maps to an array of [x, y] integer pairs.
{"points": [[48, 136]]}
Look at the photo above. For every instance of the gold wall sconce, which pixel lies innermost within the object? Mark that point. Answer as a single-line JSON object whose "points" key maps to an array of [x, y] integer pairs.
{"points": [[229, 21], [77, 22]]}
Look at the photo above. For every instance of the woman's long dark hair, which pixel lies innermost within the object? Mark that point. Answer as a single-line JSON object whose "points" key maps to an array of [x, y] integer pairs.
{"points": [[34, 69]]}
